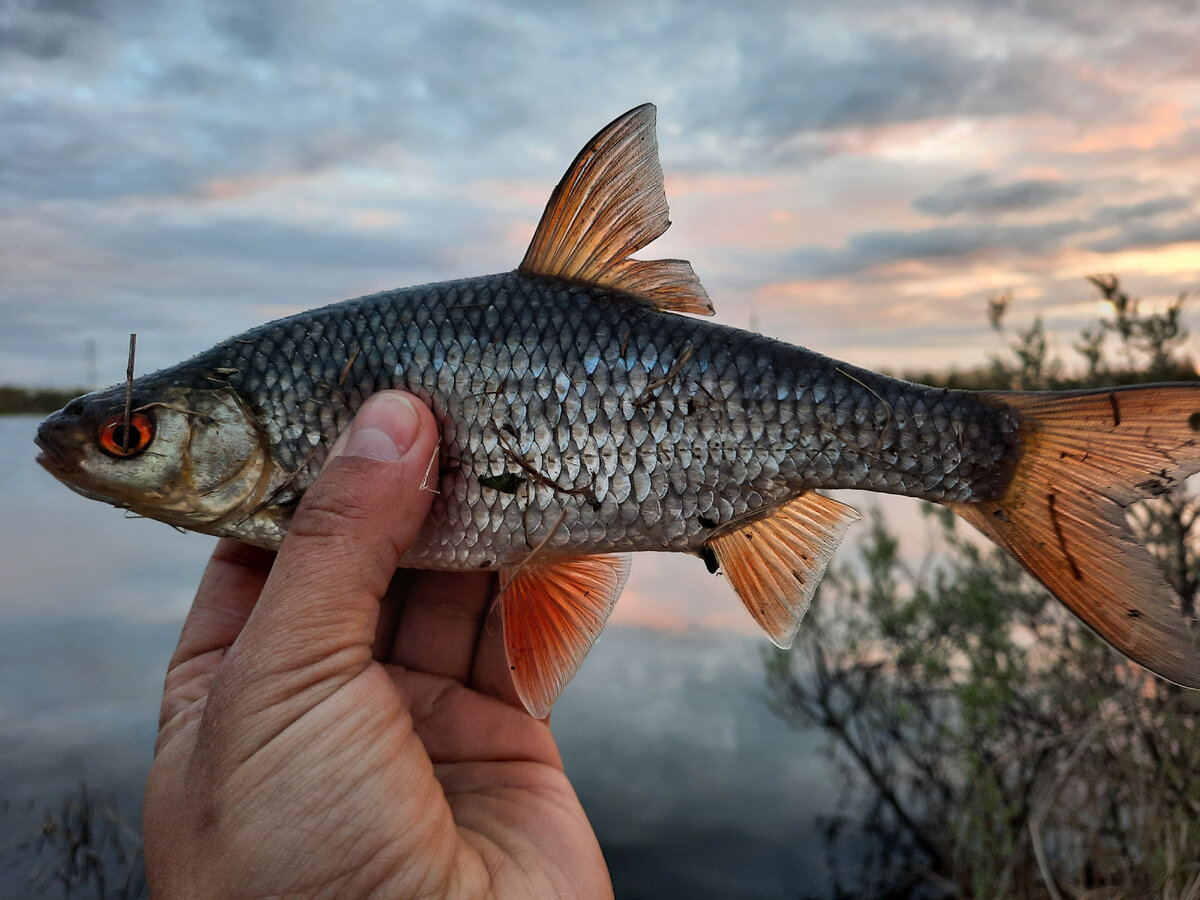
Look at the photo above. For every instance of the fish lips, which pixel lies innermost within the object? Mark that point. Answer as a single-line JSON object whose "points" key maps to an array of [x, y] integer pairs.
{"points": [[61, 455], [61, 437]]}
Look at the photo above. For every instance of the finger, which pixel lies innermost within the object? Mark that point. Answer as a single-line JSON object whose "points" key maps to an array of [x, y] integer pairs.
{"points": [[390, 608], [442, 618], [457, 724], [316, 619], [232, 581], [231, 584]]}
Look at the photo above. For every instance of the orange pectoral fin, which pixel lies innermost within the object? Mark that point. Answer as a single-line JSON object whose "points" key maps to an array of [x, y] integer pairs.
{"points": [[553, 612], [776, 562]]}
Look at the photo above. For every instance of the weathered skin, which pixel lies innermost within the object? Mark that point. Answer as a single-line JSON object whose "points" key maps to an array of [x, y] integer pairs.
{"points": [[581, 419]]}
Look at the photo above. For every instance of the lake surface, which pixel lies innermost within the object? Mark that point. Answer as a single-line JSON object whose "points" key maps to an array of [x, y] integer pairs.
{"points": [[695, 789]]}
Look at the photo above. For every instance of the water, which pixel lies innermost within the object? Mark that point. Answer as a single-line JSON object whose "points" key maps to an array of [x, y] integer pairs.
{"points": [[695, 789]]}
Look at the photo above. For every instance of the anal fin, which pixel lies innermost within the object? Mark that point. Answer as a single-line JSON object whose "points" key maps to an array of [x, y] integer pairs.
{"points": [[553, 612], [776, 561]]}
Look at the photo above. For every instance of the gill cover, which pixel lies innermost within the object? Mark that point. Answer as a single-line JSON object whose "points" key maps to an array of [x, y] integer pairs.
{"points": [[191, 457]]}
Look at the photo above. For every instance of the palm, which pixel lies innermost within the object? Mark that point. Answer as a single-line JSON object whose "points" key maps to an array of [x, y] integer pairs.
{"points": [[422, 756]]}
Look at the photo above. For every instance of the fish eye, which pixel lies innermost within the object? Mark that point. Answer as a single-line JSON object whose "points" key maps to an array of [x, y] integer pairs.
{"points": [[122, 442]]}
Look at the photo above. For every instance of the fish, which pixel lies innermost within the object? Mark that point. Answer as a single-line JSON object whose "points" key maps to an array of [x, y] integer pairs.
{"points": [[589, 410]]}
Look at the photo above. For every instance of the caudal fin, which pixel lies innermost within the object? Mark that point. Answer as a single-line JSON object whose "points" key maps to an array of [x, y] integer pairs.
{"points": [[1087, 456]]}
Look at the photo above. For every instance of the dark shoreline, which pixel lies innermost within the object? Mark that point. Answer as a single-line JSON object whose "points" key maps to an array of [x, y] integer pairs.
{"points": [[24, 401]]}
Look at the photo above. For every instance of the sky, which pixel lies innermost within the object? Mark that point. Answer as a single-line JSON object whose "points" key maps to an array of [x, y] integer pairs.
{"points": [[856, 177]]}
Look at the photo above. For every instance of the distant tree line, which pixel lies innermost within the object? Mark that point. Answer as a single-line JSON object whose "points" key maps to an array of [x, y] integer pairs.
{"points": [[989, 745], [20, 401]]}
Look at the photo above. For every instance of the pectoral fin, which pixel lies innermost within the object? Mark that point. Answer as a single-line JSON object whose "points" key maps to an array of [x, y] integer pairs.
{"points": [[776, 562], [609, 205], [553, 611]]}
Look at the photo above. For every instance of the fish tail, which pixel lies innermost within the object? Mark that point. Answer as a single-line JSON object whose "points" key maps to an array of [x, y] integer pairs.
{"points": [[1086, 456]]}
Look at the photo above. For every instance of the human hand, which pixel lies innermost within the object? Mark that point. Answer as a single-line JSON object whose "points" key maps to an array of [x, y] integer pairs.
{"points": [[333, 727]]}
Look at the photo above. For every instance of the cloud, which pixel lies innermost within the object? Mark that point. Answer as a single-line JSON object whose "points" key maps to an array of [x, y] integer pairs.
{"points": [[978, 194], [159, 151], [1142, 235], [266, 242], [1120, 214], [871, 249], [47, 29], [985, 238], [53, 154], [814, 73]]}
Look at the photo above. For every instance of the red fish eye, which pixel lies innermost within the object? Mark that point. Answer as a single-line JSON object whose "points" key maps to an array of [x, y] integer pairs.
{"points": [[115, 441]]}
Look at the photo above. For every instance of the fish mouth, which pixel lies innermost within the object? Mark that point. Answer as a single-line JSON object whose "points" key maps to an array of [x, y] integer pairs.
{"points": [[58, 456], [64, 465]]}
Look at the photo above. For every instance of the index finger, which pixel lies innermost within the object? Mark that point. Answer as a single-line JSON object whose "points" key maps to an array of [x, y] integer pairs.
{"points": [[228, 590], [231, 584]]}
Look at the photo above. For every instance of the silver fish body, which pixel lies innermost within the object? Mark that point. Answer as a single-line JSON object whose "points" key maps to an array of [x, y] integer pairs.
{"points": [[582, 417], [581, 420]]}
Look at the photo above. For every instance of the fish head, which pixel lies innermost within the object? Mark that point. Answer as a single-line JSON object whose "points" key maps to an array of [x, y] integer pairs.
{"points": [[191, 457]]}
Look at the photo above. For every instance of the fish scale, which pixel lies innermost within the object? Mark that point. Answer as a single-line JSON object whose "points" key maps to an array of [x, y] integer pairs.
{"points": [[742, 422], [582, 417]]}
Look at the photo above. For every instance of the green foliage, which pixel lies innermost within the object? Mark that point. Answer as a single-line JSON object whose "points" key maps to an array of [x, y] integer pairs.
{"points": [[1148, 342], [989, 745], [1148, 348]]}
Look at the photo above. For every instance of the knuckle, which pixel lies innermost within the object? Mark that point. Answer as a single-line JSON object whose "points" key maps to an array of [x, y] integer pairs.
{"points": [[343, 525], [334, 507], [230, 551]]}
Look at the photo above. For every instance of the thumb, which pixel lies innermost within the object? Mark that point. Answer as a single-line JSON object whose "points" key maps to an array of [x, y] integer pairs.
{"points": [[320, 604]]}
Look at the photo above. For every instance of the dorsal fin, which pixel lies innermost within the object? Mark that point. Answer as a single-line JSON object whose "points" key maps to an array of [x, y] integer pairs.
{"points": [[609, 205]]}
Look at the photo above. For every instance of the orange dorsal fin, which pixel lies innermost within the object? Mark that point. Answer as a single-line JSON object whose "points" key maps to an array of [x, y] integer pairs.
{"points": [[776, 561], [609, 205], [553, 611], [1087, 456]]}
